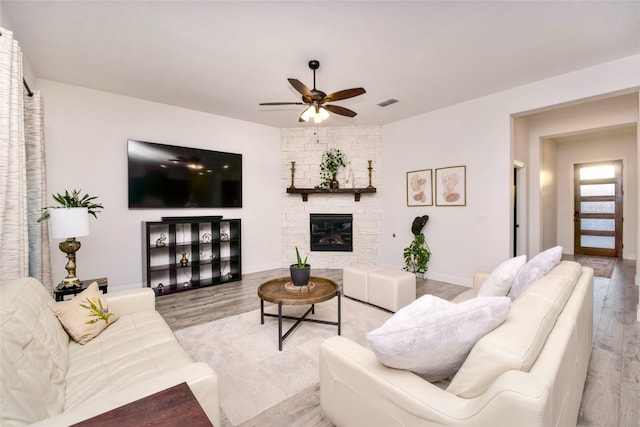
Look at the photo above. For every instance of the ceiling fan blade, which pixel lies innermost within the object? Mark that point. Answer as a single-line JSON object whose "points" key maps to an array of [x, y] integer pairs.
{"points": [[344, 94], [282, 103], [300, 87], [340, 110]]}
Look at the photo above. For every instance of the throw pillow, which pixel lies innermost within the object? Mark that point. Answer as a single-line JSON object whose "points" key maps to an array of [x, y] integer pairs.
{"points": [[86, 315], [432, 337], [537, 267], [501, 278]]}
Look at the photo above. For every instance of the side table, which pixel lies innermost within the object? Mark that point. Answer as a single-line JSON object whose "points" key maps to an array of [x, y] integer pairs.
{"points": [[84, 284], [175, 406]]}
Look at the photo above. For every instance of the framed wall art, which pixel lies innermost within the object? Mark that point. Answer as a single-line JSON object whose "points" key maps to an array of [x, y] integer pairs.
{"points": [[419, 188], [451, 186]]}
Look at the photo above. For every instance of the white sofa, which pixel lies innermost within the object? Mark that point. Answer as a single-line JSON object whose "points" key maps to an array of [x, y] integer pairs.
{"points": [[529, 371], [50, 380]]}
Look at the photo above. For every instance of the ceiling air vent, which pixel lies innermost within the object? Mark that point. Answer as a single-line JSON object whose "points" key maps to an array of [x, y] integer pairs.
{"points": [[387, 102]]}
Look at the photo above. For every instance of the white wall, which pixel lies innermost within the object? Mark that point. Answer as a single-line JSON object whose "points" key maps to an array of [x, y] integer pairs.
{"points": [[612, 144], [477, 134], [88, 130], [86, 133], [548, 193]]}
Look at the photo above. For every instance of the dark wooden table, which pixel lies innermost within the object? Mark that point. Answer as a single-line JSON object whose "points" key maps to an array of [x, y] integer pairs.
{"points": [[60, 293], [173, 407], [274, 291]]}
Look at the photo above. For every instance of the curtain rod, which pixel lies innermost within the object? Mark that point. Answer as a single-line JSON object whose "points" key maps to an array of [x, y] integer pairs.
{"points": [[26, 86]]}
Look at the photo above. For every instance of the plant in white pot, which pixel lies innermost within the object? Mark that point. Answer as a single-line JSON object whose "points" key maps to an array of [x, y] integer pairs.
{"points": [[300, 271]]}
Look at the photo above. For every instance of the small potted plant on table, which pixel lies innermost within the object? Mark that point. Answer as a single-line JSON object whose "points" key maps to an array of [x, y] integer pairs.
{"points": [[300, 271]]}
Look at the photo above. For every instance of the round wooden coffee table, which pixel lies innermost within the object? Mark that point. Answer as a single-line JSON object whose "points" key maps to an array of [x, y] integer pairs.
{"points": [[276, 292]]}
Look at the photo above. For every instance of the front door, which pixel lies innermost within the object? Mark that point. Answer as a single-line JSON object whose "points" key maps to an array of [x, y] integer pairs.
{"points": [[598, 209]]}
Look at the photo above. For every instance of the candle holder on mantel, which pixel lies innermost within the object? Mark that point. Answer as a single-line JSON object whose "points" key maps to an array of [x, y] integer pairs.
{"points": [[370, 169], [293, 171]]}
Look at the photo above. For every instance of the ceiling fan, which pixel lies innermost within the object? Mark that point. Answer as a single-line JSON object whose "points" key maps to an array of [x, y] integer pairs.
{"points": [[316, 99]]}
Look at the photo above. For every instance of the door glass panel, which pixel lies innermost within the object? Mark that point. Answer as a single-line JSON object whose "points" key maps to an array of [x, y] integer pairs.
{"points": [[597, 172], [597, 190], [598, 207], [598, 224], [604, 242]]}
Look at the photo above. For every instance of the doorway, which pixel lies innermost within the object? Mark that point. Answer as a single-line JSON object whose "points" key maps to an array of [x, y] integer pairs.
{"points": [[598, 209]]}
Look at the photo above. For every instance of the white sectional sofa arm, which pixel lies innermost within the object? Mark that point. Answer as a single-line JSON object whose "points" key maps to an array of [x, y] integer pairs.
{"points": [[357, 390], [131, 301], [200, 378]]}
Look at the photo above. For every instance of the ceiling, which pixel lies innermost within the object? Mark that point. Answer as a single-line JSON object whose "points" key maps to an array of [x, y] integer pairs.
{"points": [[225, 57]]}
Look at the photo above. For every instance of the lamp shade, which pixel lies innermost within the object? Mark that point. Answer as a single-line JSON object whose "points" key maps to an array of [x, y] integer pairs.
{"points": [[308, 113], [69, 222]]}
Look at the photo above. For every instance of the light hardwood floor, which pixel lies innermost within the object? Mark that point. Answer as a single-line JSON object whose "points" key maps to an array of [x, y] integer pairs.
{"points": [[612, 390]]}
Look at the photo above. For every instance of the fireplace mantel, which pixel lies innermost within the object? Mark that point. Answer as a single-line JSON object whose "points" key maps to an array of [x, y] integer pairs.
{"points": [[306, 191]]}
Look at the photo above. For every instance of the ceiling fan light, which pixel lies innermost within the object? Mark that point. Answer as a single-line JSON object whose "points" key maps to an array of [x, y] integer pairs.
{"points": [[323, 113], [308, 113]]}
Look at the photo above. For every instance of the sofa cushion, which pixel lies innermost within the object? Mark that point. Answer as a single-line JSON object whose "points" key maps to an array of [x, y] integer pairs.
{"points": [[516, 344], [537, 267], [85, 315], [34, 353], [501, 278], [432, 336], [138, 347]]}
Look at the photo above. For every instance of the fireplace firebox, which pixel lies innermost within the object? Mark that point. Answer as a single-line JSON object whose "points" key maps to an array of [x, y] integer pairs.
{"points": [[331, 232]]}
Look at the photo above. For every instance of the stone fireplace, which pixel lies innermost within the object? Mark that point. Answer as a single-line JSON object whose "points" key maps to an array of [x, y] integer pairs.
{"points": [[331, 232], [305, 146]]}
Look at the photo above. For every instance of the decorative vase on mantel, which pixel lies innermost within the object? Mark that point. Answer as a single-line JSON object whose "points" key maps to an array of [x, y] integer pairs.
{"points": [[334, 182], [300, 275]]}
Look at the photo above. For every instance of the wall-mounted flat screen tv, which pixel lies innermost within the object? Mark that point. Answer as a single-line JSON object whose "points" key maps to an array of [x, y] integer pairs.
{"points": [[167, 176]]}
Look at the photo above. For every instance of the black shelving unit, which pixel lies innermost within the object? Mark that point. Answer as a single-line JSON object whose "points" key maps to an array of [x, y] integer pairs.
{"points": [[211, 247]]}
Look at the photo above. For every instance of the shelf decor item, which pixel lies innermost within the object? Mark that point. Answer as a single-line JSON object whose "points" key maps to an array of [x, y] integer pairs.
{"points": [[70, 219], [332, 160], [300, 271], [184, 261]]}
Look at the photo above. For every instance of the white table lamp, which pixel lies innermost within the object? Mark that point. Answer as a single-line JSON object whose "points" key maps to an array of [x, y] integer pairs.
{"points": [[69, 223]]}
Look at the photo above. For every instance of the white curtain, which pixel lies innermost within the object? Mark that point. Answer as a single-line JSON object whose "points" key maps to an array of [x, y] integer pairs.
{"points": [[24, 243]]}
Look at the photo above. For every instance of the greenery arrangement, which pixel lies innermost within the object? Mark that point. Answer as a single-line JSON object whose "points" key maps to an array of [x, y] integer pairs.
{"points": [[417, 255], [72, 200], [301, 263], [332, 160], [97, 311]]}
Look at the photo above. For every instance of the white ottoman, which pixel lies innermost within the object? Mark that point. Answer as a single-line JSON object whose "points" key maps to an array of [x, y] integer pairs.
{"points": [[354, 281], [391, 289]]}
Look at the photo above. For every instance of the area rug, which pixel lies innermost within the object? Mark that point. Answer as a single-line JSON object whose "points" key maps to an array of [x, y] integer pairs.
{"points": [[602, 266], [252, 374]]}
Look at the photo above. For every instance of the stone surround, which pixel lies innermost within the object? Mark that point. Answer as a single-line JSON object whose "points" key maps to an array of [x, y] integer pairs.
{"points": [[305, 146]]}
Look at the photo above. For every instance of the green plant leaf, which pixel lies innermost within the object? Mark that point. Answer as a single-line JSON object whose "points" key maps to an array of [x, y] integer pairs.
{"points": [[300, 262], [72, 200], [417, 256], [332, 160]]}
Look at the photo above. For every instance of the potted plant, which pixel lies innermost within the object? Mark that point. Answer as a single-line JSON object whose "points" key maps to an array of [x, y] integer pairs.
{"points": [[72, 200], [332, 160], [300, 271], [417, 254]]}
